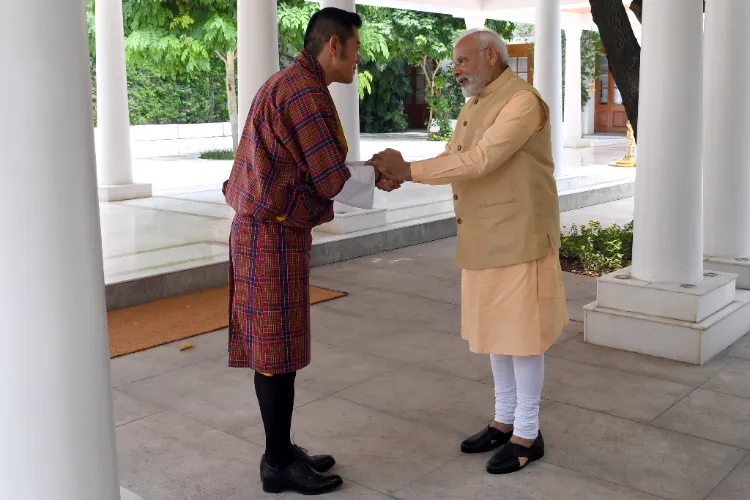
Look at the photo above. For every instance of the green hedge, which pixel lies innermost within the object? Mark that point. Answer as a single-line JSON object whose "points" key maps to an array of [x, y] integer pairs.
{"points": [[156, 100], [203, 98], [200, 99]]}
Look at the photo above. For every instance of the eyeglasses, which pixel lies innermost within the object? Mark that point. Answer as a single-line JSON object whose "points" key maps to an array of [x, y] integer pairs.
{"points": [[461, 61]]}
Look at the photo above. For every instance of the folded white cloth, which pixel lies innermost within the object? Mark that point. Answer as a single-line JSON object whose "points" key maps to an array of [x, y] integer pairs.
{"points": [[359, 190]]}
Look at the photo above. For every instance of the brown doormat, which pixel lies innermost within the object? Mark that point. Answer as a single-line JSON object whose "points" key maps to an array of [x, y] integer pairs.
{"points": [[149, 325]]}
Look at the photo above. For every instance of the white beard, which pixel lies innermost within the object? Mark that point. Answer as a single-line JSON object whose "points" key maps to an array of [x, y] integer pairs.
{"points": [[475, 85]]}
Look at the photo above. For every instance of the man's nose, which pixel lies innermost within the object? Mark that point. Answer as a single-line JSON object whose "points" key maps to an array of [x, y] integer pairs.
{"points": [[456, 72]]}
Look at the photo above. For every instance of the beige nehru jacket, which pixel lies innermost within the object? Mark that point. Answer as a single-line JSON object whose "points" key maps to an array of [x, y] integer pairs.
{"points": [[499, 162]]}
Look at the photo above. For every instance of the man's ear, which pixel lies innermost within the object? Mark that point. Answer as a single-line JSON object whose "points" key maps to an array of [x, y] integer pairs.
{"points": [[493, 55], [334, 45]]}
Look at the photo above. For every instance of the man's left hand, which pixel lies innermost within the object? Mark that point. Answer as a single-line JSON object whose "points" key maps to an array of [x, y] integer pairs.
{"points": [[391, 164]]}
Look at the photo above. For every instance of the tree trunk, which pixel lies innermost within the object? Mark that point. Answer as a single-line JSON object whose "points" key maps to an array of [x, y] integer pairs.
{"points": [[228, 59], [637, 8], [428, 85], [623, 52]]}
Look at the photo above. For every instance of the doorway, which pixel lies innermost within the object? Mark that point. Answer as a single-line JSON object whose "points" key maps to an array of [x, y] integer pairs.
{"points": [[610, 116]]}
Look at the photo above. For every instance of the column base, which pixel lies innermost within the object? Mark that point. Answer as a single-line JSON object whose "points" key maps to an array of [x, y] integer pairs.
{"points": [[691, 325], [740, 267], [124, 192], [576, 143], [128, 495]]}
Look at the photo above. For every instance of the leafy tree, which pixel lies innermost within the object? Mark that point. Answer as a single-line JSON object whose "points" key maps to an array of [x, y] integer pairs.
{"points": [[374, 35], [425, 41], [184, 38]]}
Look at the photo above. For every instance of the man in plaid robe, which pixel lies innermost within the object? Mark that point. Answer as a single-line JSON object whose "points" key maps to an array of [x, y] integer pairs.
{"points": [[288, 167]]}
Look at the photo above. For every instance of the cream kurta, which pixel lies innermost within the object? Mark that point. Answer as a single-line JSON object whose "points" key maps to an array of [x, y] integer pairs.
{"points": [[519, 309]]}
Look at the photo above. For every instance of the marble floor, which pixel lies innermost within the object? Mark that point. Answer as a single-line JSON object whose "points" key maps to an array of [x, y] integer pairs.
{"points": [[186, 223], [392, 390]]}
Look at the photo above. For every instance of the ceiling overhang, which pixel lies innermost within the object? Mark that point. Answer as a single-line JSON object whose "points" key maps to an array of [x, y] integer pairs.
{"points": [[573, 12]]}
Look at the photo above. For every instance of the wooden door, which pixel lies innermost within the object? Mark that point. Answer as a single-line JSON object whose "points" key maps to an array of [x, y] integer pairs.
{"points": [[610, 116], [520, 61], [415, 107]]}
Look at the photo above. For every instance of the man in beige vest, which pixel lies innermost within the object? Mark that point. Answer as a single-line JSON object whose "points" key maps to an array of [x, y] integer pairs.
{"points": [[513, 307]]}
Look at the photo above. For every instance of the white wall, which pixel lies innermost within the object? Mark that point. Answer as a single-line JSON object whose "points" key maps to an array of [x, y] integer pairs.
{"points": [[171, 140]]}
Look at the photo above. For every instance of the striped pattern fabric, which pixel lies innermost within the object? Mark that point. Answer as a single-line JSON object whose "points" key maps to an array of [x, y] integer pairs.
{"points": [[288, 167]]}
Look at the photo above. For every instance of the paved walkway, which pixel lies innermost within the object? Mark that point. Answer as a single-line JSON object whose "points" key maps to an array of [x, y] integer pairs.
{"points": [[392, 391]]}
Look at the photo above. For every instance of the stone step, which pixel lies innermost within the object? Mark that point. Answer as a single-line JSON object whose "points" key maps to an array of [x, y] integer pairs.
{"points": [[406, 226]]}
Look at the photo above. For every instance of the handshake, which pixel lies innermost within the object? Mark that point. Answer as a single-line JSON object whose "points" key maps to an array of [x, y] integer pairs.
{"points": [[390, 170]]}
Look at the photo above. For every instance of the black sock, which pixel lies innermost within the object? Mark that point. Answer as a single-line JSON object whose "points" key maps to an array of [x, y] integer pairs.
{"points": [[276, 400]]}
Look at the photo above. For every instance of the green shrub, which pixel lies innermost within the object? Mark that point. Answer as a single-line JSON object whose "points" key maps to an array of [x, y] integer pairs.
{"points": [[597, 250]]}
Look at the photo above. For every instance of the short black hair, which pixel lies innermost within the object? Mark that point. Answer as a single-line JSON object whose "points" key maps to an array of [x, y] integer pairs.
{"points": [[328, 22]]}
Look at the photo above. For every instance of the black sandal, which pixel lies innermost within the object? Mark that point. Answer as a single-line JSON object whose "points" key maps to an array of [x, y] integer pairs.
{"points": [[487, 439], [506, 459]]}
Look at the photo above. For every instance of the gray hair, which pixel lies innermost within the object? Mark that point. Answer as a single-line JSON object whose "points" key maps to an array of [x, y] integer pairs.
{"points": [[486, 38]]}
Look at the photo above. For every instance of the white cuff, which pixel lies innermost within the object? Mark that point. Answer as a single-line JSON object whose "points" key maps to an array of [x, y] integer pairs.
{"points": [[359, 190]]}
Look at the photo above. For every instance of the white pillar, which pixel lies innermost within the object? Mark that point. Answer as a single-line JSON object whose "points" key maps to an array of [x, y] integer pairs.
{"points": [[548, 70], [56, 423], [114, 165], [257, 50], [668, 240], [635, 24], [346, 96], [573, 127], [475, 22], [726, 159]]}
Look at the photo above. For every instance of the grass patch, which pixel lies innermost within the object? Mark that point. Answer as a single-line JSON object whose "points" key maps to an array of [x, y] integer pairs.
{"points": [[217, 154]]}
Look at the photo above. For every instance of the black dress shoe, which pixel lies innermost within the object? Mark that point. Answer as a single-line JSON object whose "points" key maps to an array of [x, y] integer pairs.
{"points": [[299, 477], [320, 463], [506, 459], [485, 440]]}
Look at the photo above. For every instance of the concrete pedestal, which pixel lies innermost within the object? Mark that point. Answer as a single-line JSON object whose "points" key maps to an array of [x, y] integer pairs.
{"points": [[124, 192], [668, 306], [114, 159], [669, 321]]}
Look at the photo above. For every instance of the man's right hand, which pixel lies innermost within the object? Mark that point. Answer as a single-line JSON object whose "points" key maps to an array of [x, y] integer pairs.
{"points": [[388, 185]]}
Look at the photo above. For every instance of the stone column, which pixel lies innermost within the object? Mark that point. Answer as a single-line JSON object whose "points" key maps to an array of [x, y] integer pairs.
{"points": [[475, 22], [114, 165], [726, 159], [346, 96], [257, 50], [56, 423], [548, 70], [572, 123], [668, 229]]}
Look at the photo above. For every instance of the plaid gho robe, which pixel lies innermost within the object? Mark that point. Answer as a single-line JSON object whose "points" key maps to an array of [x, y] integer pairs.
{"points": [[288, 166]]}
